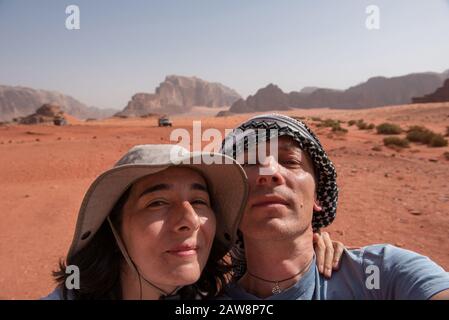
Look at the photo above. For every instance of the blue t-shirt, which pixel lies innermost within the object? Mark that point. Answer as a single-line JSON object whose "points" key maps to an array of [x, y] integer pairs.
{"points": [[382, 272]]}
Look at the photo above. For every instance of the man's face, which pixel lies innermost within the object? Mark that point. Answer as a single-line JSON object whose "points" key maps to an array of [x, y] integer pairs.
{"points": [[280, 203]]}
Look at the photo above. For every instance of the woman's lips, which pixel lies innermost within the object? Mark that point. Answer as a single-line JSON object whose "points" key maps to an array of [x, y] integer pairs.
{"points": [[184, 251]]}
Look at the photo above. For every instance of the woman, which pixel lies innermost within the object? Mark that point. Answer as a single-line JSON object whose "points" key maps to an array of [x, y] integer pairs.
{"points": [[157, 225]]}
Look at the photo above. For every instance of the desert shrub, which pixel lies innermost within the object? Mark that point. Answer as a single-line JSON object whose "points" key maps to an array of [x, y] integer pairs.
{"points": [[438, 141], [362, 125], [396, 142], [423, 135], [419, 134], [339, 129], [351, 123], [334, 124], [388, 128], [316, 119], [329, 123]]}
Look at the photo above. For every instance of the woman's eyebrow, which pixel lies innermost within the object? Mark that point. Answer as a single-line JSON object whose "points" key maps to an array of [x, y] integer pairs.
{"points": [[198, 186], [157, 187]]}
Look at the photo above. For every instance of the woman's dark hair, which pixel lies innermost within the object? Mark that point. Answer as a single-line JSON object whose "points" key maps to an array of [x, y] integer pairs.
{"points": [[100, 263]]}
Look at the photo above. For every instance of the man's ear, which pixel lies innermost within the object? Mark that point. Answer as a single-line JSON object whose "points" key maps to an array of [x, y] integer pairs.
{"points": [[317, 206]]}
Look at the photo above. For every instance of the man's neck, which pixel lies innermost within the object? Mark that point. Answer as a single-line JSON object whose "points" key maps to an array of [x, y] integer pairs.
{"points": [[276, 260]]}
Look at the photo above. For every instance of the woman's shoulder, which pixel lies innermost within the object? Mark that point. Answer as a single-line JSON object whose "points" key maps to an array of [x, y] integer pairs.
{"points": [[58, 295]]}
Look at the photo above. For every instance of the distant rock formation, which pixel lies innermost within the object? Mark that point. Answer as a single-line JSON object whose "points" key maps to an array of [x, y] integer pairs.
{"points": [[48, 113], [18, 102], [376, 92], [440, 95], [269, 98], [178, 94]]}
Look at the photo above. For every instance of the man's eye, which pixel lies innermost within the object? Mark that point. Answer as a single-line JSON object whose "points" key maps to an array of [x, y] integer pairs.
{"points": [[291, 162]]}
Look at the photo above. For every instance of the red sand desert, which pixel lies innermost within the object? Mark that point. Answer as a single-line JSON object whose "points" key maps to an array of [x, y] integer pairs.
{"points": [[386, 196]]}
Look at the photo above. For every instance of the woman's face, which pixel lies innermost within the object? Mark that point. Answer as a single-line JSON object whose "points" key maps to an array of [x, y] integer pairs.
{"points": [[168, 226]]}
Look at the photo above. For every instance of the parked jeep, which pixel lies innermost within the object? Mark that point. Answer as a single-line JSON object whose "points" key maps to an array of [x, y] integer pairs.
{"points": [[164, 122]]}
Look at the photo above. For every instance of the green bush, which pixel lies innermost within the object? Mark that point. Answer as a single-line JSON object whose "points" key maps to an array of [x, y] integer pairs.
{"points": [[339, 129], [388, 128], [334, 124], [316, 119], [438, 141], [329, 123], [423, 135], [419, 134], [351, 123], [396, 142], [361, 125]]}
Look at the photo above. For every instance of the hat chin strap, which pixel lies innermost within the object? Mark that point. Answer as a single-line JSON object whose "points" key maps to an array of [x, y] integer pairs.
{"points": [[133, 266]]}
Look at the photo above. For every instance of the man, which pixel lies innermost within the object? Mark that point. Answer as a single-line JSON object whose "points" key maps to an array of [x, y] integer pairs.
{"points": [[291, 194]]}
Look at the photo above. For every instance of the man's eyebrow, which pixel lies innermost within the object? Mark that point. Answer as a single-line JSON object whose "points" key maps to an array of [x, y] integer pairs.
{"points": [[289, 147], [157, 187]]}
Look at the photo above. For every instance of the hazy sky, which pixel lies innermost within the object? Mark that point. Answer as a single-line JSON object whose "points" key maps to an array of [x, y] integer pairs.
{"points": [[125, 47]]}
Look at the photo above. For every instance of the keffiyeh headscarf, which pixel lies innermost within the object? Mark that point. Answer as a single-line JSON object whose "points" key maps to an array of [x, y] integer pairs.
{"points": [[264, 127]]}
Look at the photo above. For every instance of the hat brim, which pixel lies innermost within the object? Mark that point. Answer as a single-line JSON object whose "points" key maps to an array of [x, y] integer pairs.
{"points": [[227, 188]]}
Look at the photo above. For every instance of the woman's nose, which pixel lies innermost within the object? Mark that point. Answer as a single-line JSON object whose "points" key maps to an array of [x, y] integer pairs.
{"points": [[187, 218]]}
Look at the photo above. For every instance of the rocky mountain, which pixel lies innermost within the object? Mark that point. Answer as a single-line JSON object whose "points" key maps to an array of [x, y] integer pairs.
{"points": [[178, 94], [18, 102], [376, 92], [45, 114], [269, 98], [440, 95]]}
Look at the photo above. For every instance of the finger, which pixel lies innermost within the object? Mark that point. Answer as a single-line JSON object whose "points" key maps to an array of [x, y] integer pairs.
{"points": [[329, 254], [338, 252], [319, 251]]}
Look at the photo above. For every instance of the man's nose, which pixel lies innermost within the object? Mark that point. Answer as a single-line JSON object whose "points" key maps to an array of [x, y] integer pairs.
{"points": [[269, 172], [187, 220]]}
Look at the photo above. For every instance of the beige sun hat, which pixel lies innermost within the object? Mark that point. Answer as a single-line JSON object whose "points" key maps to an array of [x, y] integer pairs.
{"points": [[225, 178]]}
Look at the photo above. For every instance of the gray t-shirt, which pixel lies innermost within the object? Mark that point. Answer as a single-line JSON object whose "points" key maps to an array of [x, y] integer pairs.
{"points": [[382, 272]]}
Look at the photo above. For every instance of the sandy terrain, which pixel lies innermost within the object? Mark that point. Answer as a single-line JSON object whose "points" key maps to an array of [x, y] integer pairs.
{"points": [[386, 196]]}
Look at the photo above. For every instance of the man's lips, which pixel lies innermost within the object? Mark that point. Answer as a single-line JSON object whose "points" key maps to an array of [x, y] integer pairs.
{"points": [[269, 201], [184, 250]]}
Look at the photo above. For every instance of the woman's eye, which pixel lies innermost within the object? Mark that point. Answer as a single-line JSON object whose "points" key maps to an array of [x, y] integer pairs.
{"points": [[200, 202], [157, 203]]}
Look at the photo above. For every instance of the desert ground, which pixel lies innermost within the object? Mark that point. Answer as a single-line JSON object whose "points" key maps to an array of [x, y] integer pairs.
{"points": [[386, 196]]}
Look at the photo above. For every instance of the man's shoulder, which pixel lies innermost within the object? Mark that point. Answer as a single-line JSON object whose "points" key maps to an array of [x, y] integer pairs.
{"points": [[379, 251], [402, 273], [385, 255]]}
